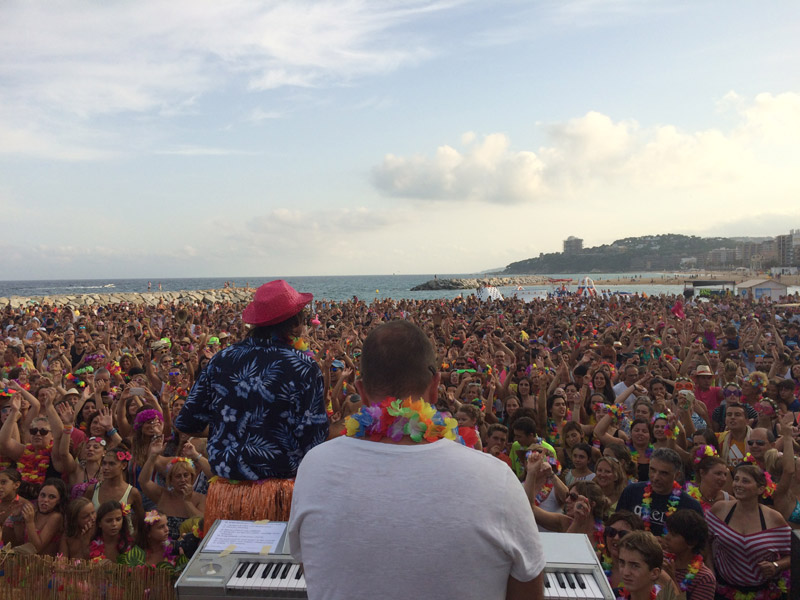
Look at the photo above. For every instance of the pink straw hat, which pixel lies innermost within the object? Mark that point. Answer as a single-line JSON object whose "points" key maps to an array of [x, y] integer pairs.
{"points": [[274, 302]]}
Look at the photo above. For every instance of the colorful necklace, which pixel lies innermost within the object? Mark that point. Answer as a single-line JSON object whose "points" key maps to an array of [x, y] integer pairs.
{"points": [[691, 572], [694, 491], [542, 494], [647, 501], [635, 453], [553, 435], [623, 593], [394, 418], [33, 464]]}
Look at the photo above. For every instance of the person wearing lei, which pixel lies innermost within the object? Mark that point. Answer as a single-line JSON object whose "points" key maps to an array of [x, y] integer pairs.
{"points": [[684, 545], [158, 548], [641, 559], [617, 526], [555, 413]]}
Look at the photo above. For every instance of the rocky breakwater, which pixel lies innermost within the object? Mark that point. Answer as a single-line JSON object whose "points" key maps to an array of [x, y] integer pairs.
{"points": [[472, 283], [233, 295]]}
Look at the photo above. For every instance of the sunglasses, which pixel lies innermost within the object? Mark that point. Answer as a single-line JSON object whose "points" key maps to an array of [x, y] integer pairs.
{"points": [[35, 431], [756, 443], [614, 532]]}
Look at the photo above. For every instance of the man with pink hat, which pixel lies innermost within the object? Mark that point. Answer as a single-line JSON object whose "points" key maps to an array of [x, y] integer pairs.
{"points": [[262, 403], [708, 394]]}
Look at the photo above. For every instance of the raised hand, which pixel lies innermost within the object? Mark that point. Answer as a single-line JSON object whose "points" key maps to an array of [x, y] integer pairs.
{"points": [[105, 419]]}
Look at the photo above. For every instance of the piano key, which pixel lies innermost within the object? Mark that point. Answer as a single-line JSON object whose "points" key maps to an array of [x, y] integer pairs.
{"points": [[266, 570], [570, 579], [553, 591], [242, 569], [591, 584], [238, 575], [579, 580], [252, 570], [293, 577]]}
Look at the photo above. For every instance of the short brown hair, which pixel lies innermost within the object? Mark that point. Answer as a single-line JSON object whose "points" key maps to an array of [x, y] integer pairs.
{"points": [[645, 544], [397, 360]]}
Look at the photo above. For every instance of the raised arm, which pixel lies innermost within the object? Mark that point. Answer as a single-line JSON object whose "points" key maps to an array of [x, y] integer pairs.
{"points": [[8, 445]]}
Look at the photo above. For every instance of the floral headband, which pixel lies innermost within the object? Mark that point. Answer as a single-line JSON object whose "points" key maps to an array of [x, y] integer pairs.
{"points": [[770, 486], [97, 440], [152, 517], [702, 451], [147, 415], [180, 459]]}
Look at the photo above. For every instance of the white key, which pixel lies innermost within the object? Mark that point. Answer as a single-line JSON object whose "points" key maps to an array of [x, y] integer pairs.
{"points": [[235, 579], [555, 589], [253, 582], [591, 584], [291, 578], [247, 579], [264, 582], [301, 583]]}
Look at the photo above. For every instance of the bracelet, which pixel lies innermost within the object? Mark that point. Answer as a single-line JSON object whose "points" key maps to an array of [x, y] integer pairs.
{"points": [[68, 429], [774, 564], [111, 432]]}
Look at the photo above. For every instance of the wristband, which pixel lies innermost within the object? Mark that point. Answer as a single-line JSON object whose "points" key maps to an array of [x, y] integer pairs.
{"points": [[68, 430], [111, 432]]}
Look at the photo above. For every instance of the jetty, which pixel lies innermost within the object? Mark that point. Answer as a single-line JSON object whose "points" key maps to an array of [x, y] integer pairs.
{"points": [[472, 283], [76, 301]]}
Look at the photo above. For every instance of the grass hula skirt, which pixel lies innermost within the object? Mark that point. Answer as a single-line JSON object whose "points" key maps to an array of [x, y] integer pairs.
{"points": [[248, 500]]}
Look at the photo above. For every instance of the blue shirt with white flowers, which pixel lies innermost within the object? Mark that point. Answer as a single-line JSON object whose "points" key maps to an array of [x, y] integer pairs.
{"points": [[263, 402]]}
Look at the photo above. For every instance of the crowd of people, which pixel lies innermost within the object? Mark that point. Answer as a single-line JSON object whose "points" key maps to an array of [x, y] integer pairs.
{"points": [[663, 428]]}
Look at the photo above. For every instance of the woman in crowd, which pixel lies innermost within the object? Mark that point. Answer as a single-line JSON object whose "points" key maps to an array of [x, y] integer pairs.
{"points": [[44, 523], [113, 486], [611, 477], [79, 528], [617, 526], [750, 542]]}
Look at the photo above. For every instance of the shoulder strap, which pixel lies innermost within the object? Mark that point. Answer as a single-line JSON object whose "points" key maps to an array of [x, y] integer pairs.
{"points": [[730, 514], [761, 516]]}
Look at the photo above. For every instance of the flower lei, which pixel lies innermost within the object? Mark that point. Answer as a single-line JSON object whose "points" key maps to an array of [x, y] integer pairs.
{"points": [[553, 435], [647, 501], [542, 494], [84, 370], [97, 550], [694, 566], [300, 345], [694, 491], [635, 453], [76, 380], [623, 593], [114, 368], [395, 418], [33, 464]]}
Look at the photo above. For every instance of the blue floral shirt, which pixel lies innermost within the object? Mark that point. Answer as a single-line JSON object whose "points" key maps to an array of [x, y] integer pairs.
{"points": [[263, 402]]}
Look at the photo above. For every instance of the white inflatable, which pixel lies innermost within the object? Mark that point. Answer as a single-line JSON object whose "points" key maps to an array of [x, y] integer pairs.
{"points": [[586, 288], [485, 292]]}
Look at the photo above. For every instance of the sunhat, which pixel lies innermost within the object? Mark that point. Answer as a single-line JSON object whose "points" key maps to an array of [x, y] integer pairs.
{"points": [[274, 302]]}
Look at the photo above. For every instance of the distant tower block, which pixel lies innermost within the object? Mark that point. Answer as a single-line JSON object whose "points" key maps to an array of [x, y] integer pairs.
{"points": [[573, 245]]}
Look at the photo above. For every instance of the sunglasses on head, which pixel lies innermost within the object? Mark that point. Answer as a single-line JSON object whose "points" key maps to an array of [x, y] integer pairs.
{"points": [[35, 431], [614, 532]]}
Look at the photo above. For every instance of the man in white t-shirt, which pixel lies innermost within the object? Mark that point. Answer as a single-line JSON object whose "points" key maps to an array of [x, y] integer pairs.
{"points": [[379, 515]]}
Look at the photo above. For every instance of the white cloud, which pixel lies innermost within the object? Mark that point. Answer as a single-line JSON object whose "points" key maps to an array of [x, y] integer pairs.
{"points": [[593, 157], [68, 65]]}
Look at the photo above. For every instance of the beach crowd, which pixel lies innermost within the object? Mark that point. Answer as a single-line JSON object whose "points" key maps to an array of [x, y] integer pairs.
{"points": [[673, 417]]}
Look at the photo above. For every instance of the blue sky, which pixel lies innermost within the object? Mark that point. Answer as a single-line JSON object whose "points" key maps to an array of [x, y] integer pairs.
{"points": [[188, 138]]}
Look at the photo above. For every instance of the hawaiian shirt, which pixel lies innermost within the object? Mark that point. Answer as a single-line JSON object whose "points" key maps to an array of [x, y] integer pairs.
{"points": [[263, 402]]}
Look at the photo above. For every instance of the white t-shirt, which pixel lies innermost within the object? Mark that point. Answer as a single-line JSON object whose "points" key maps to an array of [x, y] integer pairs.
{"points": [[374, 520]]}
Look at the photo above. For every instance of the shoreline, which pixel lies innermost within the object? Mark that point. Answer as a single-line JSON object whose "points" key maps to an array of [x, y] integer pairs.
{"points": [[599, 280], [132, 298]]}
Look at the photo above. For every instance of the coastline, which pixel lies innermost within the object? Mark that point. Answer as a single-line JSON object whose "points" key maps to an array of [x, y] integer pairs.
{"points": [[599, 280], [233, 295]]}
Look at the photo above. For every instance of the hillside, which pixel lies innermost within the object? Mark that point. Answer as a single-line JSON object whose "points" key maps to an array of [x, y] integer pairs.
{"points": [[645, 253]]}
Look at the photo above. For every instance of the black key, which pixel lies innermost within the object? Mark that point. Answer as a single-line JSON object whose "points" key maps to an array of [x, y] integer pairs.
{"points": [[275, 571], [299, 573], [266, 571], [285, 571], [242, 569], [579, 579], [570, 580], [560, 579], [546, 582], [252, 570]]}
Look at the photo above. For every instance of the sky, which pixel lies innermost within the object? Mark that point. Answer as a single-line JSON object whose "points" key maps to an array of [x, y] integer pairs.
{"points": [[242, 138]]}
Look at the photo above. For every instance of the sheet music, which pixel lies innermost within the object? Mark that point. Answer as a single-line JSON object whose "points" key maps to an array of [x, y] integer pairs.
{"points": [[245, 537]]}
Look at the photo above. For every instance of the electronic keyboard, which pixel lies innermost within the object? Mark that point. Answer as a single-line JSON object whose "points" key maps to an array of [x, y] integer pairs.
{"points": [[572, 571]]}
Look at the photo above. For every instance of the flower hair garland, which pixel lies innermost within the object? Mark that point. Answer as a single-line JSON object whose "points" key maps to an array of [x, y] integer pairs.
{"points": [[180, 459], [395, 418], [703, 450], [124, 455], [151, 517], [147, 415]]}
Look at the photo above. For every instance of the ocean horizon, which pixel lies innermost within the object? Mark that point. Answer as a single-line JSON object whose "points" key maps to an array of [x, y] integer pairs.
{"points": [[329, 287]]}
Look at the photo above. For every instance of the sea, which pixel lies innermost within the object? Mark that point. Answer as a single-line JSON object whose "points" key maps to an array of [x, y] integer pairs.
{"points": [[340, 287]]}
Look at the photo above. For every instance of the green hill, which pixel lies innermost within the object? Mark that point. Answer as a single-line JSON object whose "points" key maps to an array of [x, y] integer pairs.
{"points": [[651, 252]]}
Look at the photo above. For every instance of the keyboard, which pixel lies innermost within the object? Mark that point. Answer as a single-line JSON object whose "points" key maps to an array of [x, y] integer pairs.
{"points": [[572, 571], [209, 575]]}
